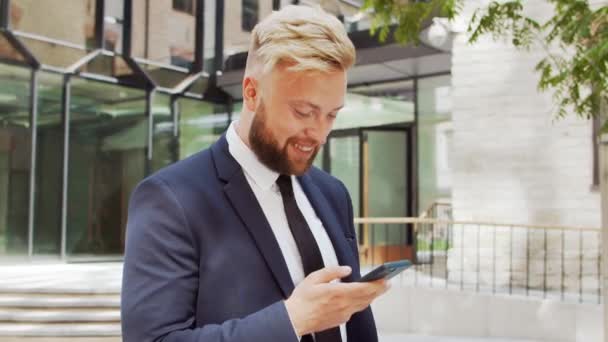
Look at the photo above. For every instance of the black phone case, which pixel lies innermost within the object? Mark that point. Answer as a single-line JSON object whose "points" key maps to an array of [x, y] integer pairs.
{"points": [[387, 270]]}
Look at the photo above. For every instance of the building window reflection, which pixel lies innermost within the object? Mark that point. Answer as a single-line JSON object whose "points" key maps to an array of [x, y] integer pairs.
{"points": [[186, 6], [107, 158], [200, 125], [164, 32], [250, 15], [15, 153], [49, 165], [113, 25]]}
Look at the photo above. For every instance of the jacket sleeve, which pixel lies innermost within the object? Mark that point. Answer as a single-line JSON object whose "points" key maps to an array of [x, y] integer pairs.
{"points": [[160, 279]]}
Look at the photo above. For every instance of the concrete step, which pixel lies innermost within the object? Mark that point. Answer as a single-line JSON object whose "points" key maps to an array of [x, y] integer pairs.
{"points": [[58, 301], [62, 290], [61, 339], [60, 329], [59, 316]]}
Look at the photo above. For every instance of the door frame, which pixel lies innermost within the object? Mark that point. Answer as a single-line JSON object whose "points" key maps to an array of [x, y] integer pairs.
{"points": [[411, 172]]}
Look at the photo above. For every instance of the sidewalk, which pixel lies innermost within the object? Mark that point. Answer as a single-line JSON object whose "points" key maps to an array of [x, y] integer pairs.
{"points": [[383, 338], [420, 338]]}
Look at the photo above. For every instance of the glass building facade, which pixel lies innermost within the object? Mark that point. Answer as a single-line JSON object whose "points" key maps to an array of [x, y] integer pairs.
{"points": [[97, 94], [94, 96]]}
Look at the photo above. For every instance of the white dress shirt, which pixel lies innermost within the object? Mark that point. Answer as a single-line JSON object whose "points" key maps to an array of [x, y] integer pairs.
{"points": [[262, 181]]}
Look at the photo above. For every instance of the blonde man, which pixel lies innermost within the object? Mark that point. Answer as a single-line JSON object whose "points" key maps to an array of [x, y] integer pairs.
{"points": [[245, 241]]}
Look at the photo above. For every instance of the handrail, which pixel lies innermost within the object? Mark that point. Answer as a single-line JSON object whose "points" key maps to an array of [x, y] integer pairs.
{"points": [[434, 205], [417, 220]]}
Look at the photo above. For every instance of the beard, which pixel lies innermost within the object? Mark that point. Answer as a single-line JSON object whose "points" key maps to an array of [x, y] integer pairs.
{"points": [[267, 149]]}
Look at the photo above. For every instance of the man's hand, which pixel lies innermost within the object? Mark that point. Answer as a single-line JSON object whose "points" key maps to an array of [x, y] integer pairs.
{"points": [[318, 304]]}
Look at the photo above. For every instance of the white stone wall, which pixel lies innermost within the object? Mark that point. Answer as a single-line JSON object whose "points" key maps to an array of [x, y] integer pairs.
{"points": [[515, 162]]}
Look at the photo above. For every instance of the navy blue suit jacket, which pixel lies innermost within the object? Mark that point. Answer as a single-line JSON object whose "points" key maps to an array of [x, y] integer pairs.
{"points": [[202, 263]]}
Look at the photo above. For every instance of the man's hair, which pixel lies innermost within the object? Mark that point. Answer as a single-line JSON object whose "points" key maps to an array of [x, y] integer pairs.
{"points": [[304, 38]]}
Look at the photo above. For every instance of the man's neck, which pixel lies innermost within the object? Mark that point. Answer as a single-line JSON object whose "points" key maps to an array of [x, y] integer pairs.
{"points": [[242, 131]]}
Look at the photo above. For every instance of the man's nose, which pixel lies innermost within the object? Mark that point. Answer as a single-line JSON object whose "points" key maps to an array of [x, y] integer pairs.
{"points": [[318, 131]]}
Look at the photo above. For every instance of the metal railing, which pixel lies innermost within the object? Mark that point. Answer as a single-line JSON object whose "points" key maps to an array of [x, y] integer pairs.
{"points": [[441, 210], [562, 263]]}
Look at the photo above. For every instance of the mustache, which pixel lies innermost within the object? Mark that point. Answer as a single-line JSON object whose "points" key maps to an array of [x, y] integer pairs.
{"points": [[304, 141]]}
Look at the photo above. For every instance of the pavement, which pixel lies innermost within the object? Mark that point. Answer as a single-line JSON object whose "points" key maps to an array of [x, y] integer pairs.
{"points": [[383, 338], [422, 338], [105, 278]]}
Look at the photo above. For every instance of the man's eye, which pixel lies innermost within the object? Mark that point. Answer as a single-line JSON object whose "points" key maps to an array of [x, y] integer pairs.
{"points": [[304, 114]]}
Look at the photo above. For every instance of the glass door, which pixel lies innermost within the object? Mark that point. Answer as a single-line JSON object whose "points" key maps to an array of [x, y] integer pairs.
{"points": [[386, 183], [375, 164]]}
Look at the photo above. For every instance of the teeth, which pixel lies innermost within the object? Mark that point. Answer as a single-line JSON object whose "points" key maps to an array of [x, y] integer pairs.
{"points": [[304, 148]]}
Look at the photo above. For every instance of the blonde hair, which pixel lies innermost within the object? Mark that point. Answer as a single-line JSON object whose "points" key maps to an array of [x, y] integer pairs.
{"points": [[305, 38]]}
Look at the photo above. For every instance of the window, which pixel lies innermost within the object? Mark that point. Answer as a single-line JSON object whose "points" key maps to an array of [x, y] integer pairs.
{"points": [[107, 154], [165, 34], [250, 15], [186, 6]]}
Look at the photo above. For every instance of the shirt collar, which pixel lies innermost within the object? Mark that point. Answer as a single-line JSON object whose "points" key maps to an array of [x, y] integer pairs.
{"points": [[264, 177]]}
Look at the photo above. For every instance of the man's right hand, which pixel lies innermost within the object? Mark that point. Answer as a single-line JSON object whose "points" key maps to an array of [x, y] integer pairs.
{"points": [[318, 304]]}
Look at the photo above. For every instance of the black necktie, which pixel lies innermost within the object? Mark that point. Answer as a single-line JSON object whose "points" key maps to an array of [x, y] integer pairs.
{"points": [[307, 246]]}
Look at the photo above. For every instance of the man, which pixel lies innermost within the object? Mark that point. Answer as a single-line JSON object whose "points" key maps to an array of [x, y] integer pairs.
{"points": [[245, 241]]}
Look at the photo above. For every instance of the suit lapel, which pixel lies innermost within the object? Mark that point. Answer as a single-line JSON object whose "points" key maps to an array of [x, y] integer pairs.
{"points": [[323, 209], [245, 204]]}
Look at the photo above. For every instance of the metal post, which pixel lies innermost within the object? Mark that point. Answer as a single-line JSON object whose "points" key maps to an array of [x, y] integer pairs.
{"points": [[66, 150], [431, 258], [373, 241], [580, 270], [545, 268], [199, 45], [413, 134], [511, 260], [176, 131], [462, 257], [563, 276], [599, 271], [33, 154], [527, 261], [99, 23], [415, 252], [150, 138], [5, 16], [386, 249], [447, 248], [494, 262], [219, 38], [146, 30], [127, 28], [478, 255]]}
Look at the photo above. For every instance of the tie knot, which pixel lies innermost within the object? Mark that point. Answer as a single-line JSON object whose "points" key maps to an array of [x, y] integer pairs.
{"points": [[284, 183]]}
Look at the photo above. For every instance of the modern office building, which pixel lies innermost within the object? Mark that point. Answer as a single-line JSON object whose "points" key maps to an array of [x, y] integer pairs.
{"points": [[97, 94]]}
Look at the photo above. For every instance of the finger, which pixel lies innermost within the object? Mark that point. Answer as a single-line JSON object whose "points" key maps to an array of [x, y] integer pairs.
{"points": [[358, 289], [327, 274]]}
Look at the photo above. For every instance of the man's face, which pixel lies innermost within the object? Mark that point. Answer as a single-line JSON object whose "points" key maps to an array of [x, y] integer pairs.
{"points": [[295, 113]]}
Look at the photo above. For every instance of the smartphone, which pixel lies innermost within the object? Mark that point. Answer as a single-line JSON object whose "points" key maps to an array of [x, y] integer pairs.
{"points": [[387, 270]]}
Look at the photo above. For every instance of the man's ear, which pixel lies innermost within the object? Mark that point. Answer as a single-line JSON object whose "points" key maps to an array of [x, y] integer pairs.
{"points": [[250, 93]]}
